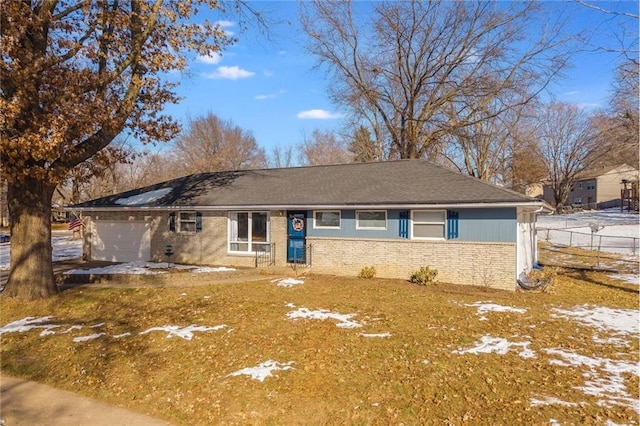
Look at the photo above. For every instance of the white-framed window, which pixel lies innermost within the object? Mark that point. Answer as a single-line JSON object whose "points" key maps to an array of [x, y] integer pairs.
{"points": [[577, 200], [326, 219], [371, 219], [248, 232], [187, 221], [591, 184], [428, 224]]}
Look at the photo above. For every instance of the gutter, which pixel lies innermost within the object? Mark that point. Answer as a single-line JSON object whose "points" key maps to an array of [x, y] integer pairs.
{"points": [[533, 204]]}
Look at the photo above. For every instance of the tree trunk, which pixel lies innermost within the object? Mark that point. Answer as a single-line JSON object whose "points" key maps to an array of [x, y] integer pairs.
{"points": [[31, 271]]}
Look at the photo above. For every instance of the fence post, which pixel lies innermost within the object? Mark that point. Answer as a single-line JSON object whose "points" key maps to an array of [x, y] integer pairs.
{"points": [[599, 246], [570, 238]]}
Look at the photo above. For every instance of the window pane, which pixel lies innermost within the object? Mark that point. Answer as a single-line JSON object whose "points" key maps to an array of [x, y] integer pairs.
{"points": [[242, 233], [428, 231], [188, 216], [187, 226], [259, 227], [428, 216], [239, 246], [328, 219], [260, 247], [372, 219]]}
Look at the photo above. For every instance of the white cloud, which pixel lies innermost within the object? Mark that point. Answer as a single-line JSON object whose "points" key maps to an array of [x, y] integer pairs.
{"points": [[318, 114], [224, 25], [589, 105], [269, 95], [213, 58], [571, 93], [230, 73]]}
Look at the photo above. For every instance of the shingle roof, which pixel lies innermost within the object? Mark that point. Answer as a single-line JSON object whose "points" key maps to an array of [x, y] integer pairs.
{"points": [[597, 172], [401, 182]]}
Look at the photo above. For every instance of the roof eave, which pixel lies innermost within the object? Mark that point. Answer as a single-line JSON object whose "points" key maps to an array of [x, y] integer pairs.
{"points": [[373, 206]]}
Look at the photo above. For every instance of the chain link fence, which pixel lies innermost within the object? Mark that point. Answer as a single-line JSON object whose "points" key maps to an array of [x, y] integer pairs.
{"points": [[592, 249]]}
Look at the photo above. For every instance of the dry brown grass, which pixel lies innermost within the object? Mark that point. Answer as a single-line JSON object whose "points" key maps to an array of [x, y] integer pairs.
{"points": [[339, 376], [589, 259]]}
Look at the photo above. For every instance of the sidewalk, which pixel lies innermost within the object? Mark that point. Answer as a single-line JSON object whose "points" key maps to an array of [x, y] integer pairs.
{"points": [[25, 403]]}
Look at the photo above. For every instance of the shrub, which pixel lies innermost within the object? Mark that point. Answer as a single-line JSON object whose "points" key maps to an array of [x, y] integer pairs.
{"points": [[367, 272], [424, 276]]}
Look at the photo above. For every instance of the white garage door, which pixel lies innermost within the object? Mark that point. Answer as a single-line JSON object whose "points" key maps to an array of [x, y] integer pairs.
{"points": [[121, 241]]}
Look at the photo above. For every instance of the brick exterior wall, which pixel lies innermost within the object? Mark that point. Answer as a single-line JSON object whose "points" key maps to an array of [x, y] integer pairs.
{"points": [[470, 263], [208, 247], [480, 264]]}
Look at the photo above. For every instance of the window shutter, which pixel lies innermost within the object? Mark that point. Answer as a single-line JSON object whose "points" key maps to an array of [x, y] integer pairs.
{"points": [[403, 224], [172, 222], [452, 225], [198, 222]]}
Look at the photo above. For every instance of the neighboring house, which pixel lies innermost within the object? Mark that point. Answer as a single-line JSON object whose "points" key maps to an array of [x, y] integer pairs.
{"points": [[598, 188], [396, 216]]}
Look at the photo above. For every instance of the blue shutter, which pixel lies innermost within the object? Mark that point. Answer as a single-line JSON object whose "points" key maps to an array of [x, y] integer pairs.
{"points": [[403, 224], [172, 222], [452, 225], [198, 222]]}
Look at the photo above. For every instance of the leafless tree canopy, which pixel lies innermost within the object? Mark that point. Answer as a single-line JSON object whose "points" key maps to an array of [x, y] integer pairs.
{"points": [[322, 148], [416, 72], [566, 137], [209, 144]]}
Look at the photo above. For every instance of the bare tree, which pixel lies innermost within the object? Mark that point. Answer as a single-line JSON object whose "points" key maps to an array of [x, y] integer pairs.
{"points": [[322, 148], [401, 71], [210, 144], [280, 157], [523, 165], [566, 138], [484, 147], [618, 126]]}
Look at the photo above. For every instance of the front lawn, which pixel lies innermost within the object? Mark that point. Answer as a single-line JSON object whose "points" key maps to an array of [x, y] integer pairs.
{"points": [[329, 350]]}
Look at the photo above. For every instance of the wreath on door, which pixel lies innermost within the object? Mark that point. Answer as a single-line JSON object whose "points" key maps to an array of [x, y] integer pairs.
{"points": [[297, 224]]}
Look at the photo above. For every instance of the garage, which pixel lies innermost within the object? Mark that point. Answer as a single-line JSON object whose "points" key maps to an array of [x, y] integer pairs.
{"points": [[121, 241]]}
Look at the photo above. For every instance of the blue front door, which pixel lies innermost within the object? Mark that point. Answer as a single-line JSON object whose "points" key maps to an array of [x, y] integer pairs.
{"points": [[296, 233]]}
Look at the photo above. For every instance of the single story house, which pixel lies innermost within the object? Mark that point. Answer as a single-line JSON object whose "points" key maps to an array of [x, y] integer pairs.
{"points": [[598, 188], [397, 216]]}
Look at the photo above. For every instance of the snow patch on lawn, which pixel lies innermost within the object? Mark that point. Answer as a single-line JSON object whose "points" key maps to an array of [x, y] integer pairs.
{"points": [[344, 320], [64, 248], [499, 345], [263, 370], [620, 321], [206, 269], [28, 323], [484, 307], [87, 338], [287, 282], [628, 278], [604, 378], [550, 400], [375, 334], [183, 332]]}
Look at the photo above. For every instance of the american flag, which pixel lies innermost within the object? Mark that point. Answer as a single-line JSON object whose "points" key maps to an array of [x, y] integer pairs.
{"points": [[75, 223]]}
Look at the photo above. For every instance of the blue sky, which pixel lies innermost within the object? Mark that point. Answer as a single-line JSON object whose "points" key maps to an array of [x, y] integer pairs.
{"points": [[268, 86]]}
